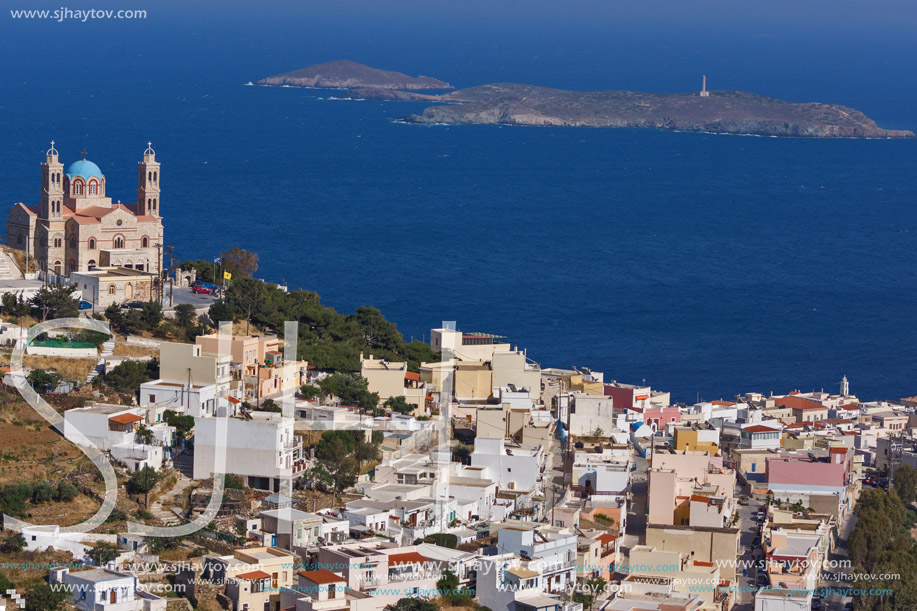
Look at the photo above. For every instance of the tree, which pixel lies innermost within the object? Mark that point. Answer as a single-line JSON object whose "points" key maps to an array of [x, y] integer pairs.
{"points": [[220, 311], [43, 381], [15, 305], [233, 482], [336, 468], [412, 604], [43, 492], [461, 453], [56, 301], [40, 597], [398, 404], [129, 375], [905, 483], [145, 435], [12, 543], [309, 392], [151, 315], [269, 405], [448, 587], [143, 481], [5, 584], [239, 262], [351, 389], [66, 492], [103, 553], [589, 591], [182, 423]]}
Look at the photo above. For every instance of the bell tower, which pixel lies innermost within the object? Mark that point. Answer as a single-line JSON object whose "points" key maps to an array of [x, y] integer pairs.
{"points": [[52, 185], [148, 184]]}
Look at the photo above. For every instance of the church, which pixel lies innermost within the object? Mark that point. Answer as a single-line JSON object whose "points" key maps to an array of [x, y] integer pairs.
{"points": [[76, 227]]}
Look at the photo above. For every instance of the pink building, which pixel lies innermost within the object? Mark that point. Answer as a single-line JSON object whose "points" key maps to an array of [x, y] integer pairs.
{"points": [[657, 418], [805, 472], [628, 396]]}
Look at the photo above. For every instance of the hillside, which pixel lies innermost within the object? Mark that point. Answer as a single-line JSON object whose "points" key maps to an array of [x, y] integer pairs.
{"points": [[345, 74], [726, 112]]}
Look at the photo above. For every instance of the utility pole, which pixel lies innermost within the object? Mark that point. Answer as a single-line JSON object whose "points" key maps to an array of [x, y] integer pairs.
{"points": [[257, 385], [171, 273], [158, 246]]}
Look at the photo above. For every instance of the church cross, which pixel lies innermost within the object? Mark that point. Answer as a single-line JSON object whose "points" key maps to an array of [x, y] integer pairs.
{"points": [[84, 152]]}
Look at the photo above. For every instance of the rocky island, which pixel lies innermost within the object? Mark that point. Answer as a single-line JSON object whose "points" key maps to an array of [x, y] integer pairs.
{"points": [[720, 112], [345, 74]]}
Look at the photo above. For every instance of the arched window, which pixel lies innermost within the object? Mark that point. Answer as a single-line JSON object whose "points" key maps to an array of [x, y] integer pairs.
{"points": [[57, 242], [111, 289], [78, 187], [119, 242], [92, 264], [57, 267], [92, 243], [155, 204], [149, 176], [145, 242], [155, 176], [93, 188], [72, 242]]}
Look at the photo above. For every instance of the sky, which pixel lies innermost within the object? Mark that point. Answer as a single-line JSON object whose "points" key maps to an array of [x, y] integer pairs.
{"points": [[843, 51]]}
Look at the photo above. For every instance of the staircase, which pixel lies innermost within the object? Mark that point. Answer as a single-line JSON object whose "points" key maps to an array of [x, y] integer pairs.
{"points": [[168, 518], [8, 269], [108, 349]]}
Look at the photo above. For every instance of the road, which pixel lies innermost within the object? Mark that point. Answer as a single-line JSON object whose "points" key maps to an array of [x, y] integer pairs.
{"points": [[186, 295]]}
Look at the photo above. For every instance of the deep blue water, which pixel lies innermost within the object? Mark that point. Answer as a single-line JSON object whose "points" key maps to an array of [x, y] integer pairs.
{"points": [[703, 264]]}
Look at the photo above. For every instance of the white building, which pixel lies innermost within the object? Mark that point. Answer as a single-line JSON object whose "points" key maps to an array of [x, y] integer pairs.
{"points": [[589, 413], [136, 456], [261, 450], [104, 425], [513, 466], [106, 590], [198, 400]]}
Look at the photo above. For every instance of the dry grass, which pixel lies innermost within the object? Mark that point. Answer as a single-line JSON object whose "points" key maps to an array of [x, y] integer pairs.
{"points": [[19, 256], [72, 369], [122, 349]]}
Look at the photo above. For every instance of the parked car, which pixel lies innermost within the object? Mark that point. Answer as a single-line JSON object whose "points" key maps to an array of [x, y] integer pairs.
{"points": [[202, 288], [133, 305], [743, 500], [84, 305]]}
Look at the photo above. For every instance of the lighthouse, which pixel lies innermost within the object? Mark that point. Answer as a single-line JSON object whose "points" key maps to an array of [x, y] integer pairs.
{"points": [[703, 87]]}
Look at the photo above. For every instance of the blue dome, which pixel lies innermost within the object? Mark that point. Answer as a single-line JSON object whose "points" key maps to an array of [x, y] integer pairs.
{"points": [[83, 168]]}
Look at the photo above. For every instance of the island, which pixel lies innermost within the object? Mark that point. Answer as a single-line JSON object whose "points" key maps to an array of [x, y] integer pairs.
{"points": [[719, 112], [345, 74], [712, 111]]}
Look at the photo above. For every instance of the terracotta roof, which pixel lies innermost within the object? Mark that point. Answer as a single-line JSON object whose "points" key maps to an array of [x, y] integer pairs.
{"points": [[234, 400], [795, 402], [838, 450], [700, 499], [254, 575], [723, 403], [702, 563], [126, 418], [760, 428], [28, 209], [408, 558], [321, 576], [606, 538], [410, 375]]}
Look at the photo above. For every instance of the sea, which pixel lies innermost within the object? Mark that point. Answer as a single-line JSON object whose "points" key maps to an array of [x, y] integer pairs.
{"points": [[705, 265]]}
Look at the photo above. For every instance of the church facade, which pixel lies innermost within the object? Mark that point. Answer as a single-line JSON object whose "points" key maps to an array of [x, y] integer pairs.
{"points": [[75, 227]]}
